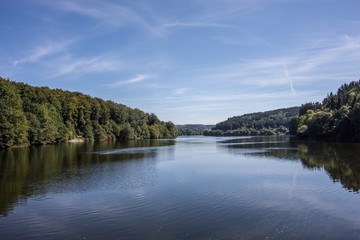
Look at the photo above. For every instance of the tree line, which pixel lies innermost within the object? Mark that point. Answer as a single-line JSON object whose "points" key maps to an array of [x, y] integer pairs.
{"points": [[336, 118], [275, 122], [192, 129], [40, 115]]}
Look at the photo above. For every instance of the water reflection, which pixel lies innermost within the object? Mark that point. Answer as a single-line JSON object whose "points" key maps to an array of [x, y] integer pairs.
{"points": [[341, 161], [130, 190], [35, 171]]}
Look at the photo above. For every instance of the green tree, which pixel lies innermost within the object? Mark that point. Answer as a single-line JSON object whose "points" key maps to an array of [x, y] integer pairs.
{"points": [[35, 132], [154, 132], [39, 115], [128, 132], [99, 133], [337, 118], [13, 123]]}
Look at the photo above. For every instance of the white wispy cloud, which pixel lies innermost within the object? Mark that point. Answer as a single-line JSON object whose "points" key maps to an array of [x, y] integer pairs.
{"points": [[189, 108], [245, 38], [181, 91], [69, 65], [290, 79], [305, 64], [107, 13], [198, 24], [44, 49], [110, 13], [138, 78], [231, 97]]}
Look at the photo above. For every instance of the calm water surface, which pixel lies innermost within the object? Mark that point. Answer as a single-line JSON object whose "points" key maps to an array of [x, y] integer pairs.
{"points": [[188, 188]]}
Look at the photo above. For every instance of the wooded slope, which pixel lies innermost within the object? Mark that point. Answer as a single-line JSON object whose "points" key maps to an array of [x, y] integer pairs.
{"points": [[275, 122], [39, 115], [336, 118]]}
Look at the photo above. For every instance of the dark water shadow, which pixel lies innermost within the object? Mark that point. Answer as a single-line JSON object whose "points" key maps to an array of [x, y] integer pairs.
{"points": [[35, 171], [341, 161]]}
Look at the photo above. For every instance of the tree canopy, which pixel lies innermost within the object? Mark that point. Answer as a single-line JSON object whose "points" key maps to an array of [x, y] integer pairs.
{"points": [[336, 118], [275, 122], [40, 115]]}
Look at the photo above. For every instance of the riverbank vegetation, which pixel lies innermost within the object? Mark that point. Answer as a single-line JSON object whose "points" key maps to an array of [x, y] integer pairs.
{"points": [[192, 129], [275, 122], [40, 115], [336, 118]]}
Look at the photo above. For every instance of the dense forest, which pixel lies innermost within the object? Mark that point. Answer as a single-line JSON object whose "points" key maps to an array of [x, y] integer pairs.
{"points": [[39, 115], [275, 122], [336, 118], [192, 129]]}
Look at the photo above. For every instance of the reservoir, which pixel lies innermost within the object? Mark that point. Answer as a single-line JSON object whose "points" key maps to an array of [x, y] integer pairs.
{"points": [[191, 187]]}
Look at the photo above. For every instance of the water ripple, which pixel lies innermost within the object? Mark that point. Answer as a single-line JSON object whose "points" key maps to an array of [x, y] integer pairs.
{"points": [[132, 150]]}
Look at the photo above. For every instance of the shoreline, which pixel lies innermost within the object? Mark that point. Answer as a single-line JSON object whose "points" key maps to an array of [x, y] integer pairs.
{"points": [[76, 140]]}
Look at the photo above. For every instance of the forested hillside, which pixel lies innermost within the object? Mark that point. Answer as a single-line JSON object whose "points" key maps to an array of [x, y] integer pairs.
{"points": [[337, 118], [275, 122], [39, 115], [192, 129]]}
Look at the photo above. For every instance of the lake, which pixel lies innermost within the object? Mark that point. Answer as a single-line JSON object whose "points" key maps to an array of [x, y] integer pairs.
{"points": [[188, 188]]}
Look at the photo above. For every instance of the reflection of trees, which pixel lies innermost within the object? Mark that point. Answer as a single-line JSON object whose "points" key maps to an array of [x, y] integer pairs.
{"points": [[279, 147], [26, 172], [340, 160]]}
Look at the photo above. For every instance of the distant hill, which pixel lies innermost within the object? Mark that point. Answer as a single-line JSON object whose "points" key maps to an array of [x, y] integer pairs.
{"points": [[274, 122], [192, 129]]}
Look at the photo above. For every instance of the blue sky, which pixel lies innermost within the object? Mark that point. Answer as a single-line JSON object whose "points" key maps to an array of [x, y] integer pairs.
{"points": [[187, 61]]}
